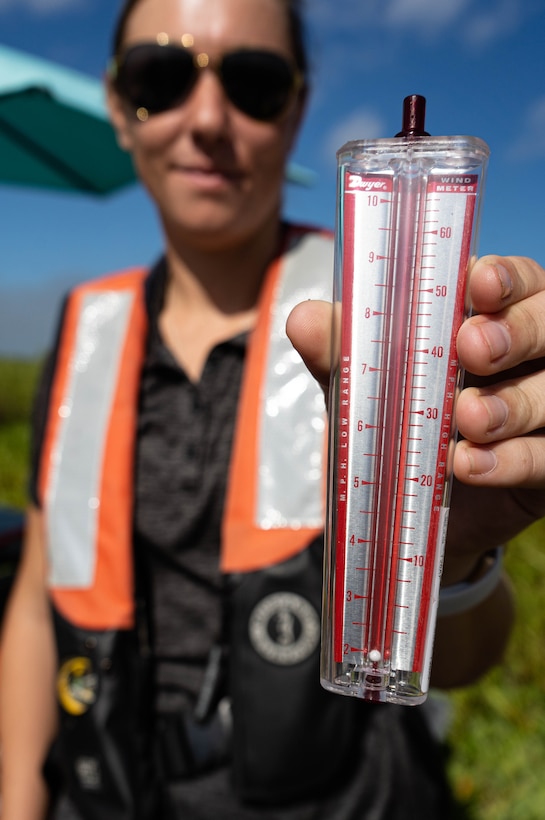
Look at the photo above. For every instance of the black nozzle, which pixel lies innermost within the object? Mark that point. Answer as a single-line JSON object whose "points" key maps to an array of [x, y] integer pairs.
{"points": [[414, 117]]}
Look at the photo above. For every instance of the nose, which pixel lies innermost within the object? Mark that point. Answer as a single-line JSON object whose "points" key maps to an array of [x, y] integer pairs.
{"points": [[207, 105]]}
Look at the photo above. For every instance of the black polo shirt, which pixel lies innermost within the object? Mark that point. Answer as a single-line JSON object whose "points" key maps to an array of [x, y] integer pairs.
{"points": [[184, 438]]}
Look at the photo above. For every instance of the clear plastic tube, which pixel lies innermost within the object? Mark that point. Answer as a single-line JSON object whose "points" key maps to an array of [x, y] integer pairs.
{"points": [[408, 211]]}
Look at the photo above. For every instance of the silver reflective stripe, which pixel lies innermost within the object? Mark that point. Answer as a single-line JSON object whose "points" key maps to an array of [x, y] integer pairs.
{"points": [[291, 445], [72, 500]]}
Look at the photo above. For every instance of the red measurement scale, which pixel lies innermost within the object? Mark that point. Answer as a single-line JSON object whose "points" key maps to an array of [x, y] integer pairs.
{"points": [[405, 234]]}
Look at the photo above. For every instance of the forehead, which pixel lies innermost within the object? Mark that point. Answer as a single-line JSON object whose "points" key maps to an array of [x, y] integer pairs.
{"points": [[213, 23]]}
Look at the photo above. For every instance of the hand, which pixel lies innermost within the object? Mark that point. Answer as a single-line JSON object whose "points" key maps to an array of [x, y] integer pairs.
{"points": [[501, 411], [309, 329]]}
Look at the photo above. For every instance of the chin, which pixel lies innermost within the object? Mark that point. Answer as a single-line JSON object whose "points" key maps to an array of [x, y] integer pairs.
{"points": [[211, 235], [214, 227]]}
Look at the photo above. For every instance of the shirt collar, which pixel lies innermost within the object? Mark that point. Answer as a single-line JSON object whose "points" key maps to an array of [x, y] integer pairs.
{"points": [[155, 296]]}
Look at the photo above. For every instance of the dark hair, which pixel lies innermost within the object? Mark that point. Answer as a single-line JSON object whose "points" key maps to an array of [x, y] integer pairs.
{"points": [[294, 10]]}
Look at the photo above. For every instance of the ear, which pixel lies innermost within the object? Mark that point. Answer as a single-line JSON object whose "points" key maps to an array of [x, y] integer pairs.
{"points": [[119, 116]]}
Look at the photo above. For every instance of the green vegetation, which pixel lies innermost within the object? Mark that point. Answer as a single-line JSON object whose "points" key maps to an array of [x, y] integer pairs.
{"points": [[498, 732], [498, 735], [17, 385]]}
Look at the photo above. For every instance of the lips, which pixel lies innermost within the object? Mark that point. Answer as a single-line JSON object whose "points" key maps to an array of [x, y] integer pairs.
{"points": [[209, 172]]}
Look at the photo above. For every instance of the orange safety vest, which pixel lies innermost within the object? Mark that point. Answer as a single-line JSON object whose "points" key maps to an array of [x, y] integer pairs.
{"points": [[275, 496]]}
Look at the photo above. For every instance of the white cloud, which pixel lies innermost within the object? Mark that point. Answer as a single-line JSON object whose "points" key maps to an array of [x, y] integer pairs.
{"points": [[487, 27], [360, 124], [342, 13], [531, 141], [476, 22], [385, 14], [428, 14]]}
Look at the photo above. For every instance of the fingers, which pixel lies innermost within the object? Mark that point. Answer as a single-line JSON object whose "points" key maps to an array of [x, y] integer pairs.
{"points": [[309, 329], [511, 408], [504, 445], [515, 462], [498, 281], [509, 294], [502, 414]]}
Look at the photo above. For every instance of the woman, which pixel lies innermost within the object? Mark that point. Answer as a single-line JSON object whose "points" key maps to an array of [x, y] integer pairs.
{"points": [[171, 656]]}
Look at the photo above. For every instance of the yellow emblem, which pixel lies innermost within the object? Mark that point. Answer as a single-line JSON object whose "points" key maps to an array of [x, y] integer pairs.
{"points": [[76, 685]]}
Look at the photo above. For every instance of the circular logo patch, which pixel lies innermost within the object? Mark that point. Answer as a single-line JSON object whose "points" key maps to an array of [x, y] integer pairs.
{"points": [[284, 628], [76, 686]]}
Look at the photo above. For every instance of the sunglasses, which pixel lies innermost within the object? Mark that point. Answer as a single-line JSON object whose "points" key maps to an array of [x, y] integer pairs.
{"points": [[153, 78]]}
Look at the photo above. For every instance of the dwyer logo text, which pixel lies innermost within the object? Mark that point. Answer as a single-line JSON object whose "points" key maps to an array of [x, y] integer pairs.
{"points": [[355, 181]]}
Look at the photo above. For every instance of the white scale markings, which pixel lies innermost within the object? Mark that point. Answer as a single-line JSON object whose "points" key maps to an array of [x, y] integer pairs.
{"points": [[421, 442]]}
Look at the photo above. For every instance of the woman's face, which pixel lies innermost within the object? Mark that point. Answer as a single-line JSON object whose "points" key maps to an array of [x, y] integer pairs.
{"points": [[215, 173]]}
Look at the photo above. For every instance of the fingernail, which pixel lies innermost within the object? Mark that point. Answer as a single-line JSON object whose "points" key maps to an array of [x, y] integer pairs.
{"points": [[498, 339], [498, 412], [506, 283], [481, 461]]}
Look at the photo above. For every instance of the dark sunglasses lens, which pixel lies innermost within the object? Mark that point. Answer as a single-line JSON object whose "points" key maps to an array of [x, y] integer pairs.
{"points": [[259, 83], [155, 77]]}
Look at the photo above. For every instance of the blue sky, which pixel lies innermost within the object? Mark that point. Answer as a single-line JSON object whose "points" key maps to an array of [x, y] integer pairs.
{"points": [[479, 63]]}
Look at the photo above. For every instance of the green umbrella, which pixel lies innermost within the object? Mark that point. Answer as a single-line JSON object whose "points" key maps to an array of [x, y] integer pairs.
{"points": [[55, 133]]}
